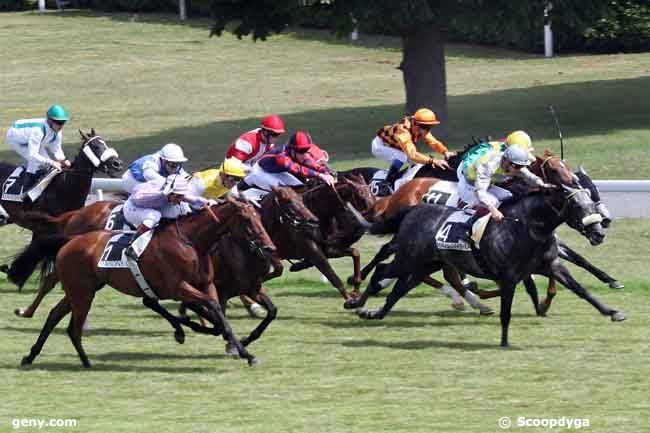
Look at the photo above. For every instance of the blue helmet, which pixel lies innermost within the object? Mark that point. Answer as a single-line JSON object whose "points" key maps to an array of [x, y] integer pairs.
{"points": [[57, 112]]}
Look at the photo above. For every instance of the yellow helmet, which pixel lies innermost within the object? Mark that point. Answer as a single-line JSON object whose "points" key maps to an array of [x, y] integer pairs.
{"points": [[520, 138], [233, 167], [424, 116]]}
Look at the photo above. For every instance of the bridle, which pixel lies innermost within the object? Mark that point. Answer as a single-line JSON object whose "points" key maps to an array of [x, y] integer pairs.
{"points": [[108, 153], [287, 216]]}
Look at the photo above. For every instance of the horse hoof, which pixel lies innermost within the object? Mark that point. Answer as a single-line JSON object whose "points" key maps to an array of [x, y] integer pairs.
{"points": [[484, 310], [365, 313], [252, 362], [26, 361], [618, 317], [20, 312], [256, 311], [179, 336], [351, 304], [231, 350], [460, 306], [616, 285], [472, 286]]}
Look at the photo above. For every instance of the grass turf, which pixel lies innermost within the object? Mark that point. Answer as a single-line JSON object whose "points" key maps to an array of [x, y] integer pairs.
{"points": [[143, 81]]}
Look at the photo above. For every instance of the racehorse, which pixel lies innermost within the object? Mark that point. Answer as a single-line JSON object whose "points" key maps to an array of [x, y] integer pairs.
{"points": [[176, 264], [521, 245], [338, 210], [413, 192], [69, 189], [240, 269]]}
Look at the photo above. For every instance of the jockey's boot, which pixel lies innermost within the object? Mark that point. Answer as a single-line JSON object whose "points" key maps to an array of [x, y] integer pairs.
{"points": [[478, 213], [29, 181], [130, 252]]}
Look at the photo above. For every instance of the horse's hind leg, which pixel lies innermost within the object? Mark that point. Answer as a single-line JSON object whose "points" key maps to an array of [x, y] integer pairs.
{"points": [[386, 250], [154, 305], [48, 283], [56, 314], [80, 306]]}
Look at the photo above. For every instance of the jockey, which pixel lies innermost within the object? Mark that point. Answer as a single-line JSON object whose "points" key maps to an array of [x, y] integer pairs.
{"points": [[168, 160], [476, 178], [32, 138], [250, 146], [157, 199], [289, 164], [215, 183], [396, 143]]}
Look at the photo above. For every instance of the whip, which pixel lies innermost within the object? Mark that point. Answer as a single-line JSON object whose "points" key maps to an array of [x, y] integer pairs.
{"points": [[559, 130]]}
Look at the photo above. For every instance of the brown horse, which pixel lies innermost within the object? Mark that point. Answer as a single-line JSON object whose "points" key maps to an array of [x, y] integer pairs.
{"points": [[239, 268], [338, 210], [176, 264]]}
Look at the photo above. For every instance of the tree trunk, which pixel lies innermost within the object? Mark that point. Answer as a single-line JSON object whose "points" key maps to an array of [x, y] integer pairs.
{"points": [[423, 68]]}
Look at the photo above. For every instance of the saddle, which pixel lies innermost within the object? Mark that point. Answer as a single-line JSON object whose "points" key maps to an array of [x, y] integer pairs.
{"points": [[20, 185]]}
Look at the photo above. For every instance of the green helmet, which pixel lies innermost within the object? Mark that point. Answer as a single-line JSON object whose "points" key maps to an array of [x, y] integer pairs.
{"points": [[57, 112]]}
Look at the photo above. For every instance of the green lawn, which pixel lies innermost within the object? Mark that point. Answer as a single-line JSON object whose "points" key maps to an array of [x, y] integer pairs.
{"points": [[144, 81]]}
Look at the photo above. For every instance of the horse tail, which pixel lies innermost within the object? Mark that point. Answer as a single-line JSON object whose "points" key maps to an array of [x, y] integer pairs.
{"points": [[42, 223], [40, 250], [390, 225]]}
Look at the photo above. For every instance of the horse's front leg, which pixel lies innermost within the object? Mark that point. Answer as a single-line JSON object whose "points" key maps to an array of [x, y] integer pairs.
{"points": [[154, 305], [46, 285], [562, 274], [212, 312], [531, 289], [317, 257], [570, 255], [356, 279], [271, 314]]}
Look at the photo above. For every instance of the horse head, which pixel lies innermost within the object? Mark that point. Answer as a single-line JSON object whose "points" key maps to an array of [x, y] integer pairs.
{"points": [[575, 207], [246, 223], [290, 210], [99, 154]]}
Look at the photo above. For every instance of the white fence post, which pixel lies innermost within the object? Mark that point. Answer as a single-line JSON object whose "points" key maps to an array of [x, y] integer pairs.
{"points": [[41, 5], [100, 194], [182, 10], [548, 32]]}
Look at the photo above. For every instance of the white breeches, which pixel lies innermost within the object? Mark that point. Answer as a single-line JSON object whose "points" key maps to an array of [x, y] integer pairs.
{"points": [[262, 179], [137, 215], [467, 191], [387, 153]]}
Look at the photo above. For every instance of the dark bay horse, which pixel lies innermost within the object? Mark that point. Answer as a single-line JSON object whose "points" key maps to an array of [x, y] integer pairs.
{"points": [[412, 193], [177, 265], [69, 189], [338, 210], [521, 245]]}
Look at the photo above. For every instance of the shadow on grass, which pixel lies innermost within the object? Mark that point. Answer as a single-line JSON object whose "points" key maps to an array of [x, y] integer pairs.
{"points": [[112, 368], [346, 132], [427, 344], [93, 331]]}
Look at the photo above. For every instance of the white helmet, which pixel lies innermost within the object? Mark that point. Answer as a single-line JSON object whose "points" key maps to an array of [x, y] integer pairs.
{"points": [[172, 152], [517, 155], [175, 184]]}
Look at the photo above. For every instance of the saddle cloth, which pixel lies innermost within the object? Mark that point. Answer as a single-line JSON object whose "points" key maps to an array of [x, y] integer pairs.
{"points": [[442, 192], [454, 235], [117, 222], [12, 189], [113, 255]]}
